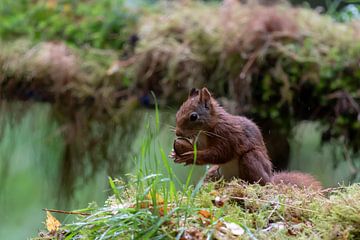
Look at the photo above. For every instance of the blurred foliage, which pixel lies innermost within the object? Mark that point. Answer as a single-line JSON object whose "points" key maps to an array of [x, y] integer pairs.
{"points": [[95, 110], [100, 24], [279, 65], [348, 13]]}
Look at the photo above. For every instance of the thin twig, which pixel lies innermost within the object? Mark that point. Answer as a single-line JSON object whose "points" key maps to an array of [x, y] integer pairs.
{"points": [[66, 212], [330, 189], [248, 64], [272, 211]]}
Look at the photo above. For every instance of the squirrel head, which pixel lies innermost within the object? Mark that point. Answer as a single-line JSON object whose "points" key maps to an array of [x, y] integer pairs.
{"points": [[195, 114]]}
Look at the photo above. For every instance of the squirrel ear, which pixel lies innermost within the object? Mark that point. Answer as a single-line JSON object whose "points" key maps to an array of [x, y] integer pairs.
{"points": [[193, 92], [205, 97]]}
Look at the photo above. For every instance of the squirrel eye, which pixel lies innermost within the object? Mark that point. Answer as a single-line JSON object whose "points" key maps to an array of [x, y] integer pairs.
{"points": [[194, 116]]}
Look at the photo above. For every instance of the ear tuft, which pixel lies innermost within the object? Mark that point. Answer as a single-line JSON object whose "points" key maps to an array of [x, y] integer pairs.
{"points": [[194, 92], [206, 92], [205, 97]]}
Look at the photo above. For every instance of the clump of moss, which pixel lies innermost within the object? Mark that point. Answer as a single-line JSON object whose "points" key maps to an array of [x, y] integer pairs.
{"points": [[53, 70]]}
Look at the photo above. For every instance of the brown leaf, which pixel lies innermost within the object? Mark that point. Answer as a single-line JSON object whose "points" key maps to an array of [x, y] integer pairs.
{"points": [[162, 210], [205, 213]]}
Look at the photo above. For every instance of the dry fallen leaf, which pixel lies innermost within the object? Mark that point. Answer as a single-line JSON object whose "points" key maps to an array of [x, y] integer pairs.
{"points": [[159, 199], [205, 213], [148, 201], [214, 193], [228, 230], [162, 210], [52, 224], [234, 228]]}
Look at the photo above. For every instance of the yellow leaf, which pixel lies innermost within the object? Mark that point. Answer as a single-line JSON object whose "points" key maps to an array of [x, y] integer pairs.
{"points": [[159, 199], [52, 224]]}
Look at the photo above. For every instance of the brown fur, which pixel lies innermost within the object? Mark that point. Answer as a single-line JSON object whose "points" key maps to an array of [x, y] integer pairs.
{"points": [[222, 137]]}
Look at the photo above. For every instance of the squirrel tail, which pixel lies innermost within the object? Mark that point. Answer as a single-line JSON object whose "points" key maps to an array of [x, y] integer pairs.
{"points": [[302, 180]]}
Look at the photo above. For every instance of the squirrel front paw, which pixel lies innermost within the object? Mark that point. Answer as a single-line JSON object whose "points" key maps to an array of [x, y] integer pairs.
{"points": [[186, 158], [178, 159]]}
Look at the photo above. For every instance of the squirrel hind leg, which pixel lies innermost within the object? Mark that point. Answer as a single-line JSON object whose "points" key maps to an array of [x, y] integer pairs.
{"points": [[213, 174], [302, 180]]}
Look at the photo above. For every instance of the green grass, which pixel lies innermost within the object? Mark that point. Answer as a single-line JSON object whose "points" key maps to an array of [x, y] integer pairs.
{"points": [[149, 205]]}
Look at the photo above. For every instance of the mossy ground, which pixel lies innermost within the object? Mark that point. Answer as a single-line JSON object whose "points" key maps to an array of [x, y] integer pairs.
{"points": [[220, 210]]}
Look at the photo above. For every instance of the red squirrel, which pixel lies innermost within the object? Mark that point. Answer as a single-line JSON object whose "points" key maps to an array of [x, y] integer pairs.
{"points": [[235, 143]]}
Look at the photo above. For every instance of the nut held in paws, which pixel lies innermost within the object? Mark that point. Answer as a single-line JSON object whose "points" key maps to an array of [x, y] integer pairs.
{"points": [[182, 145]]}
